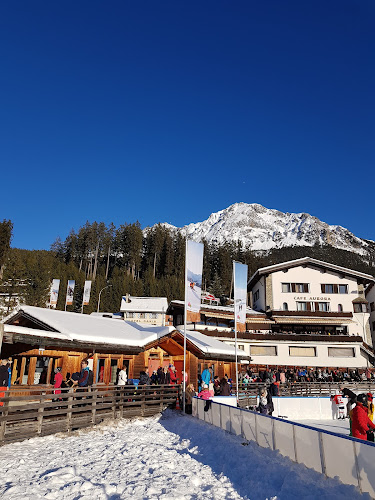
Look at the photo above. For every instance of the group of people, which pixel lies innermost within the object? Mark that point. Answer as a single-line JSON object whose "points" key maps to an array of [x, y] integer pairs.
{"points": [[305, 375]]}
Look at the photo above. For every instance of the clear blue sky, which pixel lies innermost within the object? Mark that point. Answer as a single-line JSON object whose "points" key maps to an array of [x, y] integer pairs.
{"points": [[168, 111]]}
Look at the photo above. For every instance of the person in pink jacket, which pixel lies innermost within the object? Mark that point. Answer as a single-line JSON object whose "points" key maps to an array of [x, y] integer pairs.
{"points": [[205, 393]]}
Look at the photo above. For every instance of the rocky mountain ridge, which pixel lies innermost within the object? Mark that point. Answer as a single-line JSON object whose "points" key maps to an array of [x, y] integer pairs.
{"points": [[262, 229]]}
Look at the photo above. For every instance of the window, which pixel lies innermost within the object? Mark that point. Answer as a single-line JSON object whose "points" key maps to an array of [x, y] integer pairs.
{"points": [[331, 288], [295, 287], [323, 306], [153, 315], [302, 351], [360, 308], [341, 352], [261, 350], [256, 295], [241, 347], [340, 308], [130, 315], [343, 288], [285, 306], [303, 306], [141, 315]]}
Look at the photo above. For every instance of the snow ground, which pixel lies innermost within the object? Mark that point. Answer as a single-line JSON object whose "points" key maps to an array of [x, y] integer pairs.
{"points": [[162, 457]]}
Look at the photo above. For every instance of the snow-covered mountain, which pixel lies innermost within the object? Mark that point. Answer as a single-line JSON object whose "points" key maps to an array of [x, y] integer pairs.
{"points": [[262, 229]]}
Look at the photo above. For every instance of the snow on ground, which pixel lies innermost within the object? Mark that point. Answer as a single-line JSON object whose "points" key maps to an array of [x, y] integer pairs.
{"points": [[337, 426], [162, 457]]}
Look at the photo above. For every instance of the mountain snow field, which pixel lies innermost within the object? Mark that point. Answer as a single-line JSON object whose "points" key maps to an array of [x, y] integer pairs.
{"points": [[163, 457], [261, 229]]}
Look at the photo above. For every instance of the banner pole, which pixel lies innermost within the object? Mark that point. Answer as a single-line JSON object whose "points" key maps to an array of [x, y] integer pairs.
{"points": [[185, 323], [235, 328]]}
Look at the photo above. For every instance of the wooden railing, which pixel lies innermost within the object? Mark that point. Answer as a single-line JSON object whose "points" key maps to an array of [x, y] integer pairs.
{"points": [[42, 412]]}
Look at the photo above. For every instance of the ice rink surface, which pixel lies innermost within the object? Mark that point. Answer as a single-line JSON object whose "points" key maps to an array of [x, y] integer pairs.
{"points": [[162, 457]]}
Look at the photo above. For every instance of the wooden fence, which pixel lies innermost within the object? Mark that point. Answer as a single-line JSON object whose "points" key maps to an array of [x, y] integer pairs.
{"points": [[41, 412]]}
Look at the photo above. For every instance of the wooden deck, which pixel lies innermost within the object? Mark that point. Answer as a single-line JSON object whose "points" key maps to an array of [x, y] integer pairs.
{"points": [[41, 412]]}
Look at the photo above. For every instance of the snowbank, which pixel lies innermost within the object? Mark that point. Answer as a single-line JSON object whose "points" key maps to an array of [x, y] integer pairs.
{"points": [[168, 457]]}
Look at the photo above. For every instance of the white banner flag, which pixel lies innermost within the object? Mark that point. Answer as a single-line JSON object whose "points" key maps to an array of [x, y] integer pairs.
{"points": [[70, 293], [193, 283], [54, 295], [86, 293], [240, 293]]}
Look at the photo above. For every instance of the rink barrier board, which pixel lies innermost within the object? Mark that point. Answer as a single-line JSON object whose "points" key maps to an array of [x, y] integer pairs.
{"points": [[349, 459]]}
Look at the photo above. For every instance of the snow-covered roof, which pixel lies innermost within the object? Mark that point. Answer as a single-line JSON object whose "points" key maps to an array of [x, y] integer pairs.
{"points": [[94, 329], [77, 327], [313, 262], [144, 304], [210, 345]]}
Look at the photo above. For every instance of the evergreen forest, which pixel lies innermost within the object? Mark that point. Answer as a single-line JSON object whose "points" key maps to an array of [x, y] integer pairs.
{"points": [[141, 263]]}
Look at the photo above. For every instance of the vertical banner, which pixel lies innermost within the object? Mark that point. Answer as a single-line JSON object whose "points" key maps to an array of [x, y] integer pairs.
{"points": [[240, 293], [193, 283], [54, 295], [86, 293], [70, 293]]}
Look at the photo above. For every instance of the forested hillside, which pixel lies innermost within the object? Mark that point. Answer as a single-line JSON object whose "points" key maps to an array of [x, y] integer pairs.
{"points": [[149, 264]]}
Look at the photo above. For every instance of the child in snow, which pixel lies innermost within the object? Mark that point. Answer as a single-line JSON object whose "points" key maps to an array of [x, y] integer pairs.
{"points": [[340, 406]]}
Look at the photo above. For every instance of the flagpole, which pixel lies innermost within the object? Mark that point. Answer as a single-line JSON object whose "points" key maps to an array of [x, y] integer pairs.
{"points": [[185, 322], [235, 328]]}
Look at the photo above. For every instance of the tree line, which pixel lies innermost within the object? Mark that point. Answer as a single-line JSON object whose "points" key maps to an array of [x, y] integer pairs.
{"points": [[142, 263]]}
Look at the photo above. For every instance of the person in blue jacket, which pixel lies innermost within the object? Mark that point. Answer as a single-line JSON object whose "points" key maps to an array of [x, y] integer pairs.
{"points": [[207, 376]]}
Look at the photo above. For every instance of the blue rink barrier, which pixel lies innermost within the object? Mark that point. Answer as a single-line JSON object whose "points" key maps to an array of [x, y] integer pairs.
{"points": [[351, 460]]}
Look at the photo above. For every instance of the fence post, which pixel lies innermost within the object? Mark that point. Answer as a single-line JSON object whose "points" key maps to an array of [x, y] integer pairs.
{"points": [[143, 399], [322, 456], [40, 414], [161, 397], [93, 405], [114, 402], [4, 414], [122, 392], [357, 467], [69, 410], [294, 443]]}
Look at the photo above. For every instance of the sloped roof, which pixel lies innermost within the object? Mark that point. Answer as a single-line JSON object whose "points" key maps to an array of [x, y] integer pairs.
{"points": [[144, 304], [313, 262], [87, 328], [68, 326]]}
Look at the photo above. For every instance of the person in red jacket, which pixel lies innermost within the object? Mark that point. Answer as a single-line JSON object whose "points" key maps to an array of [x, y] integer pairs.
{"points": [[173, 374], [360, 420]]}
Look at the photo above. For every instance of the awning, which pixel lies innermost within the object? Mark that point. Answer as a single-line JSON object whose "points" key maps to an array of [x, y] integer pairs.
{"points": [[311, 321]]}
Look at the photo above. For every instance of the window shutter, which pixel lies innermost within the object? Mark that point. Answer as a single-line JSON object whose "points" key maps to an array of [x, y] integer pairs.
{"points": [[308, 305], [335, 289], [306, 287], [323, 288], [293, 287]]}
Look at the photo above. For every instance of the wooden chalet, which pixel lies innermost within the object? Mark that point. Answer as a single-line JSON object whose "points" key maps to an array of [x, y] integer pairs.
{"points": [[39, 340]]}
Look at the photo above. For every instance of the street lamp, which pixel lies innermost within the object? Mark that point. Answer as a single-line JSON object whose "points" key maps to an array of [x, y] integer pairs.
{"points": [[100, 295]]}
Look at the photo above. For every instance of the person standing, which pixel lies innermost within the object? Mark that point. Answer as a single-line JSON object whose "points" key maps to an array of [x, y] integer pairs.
{"points": [[360, 420], [4, 377], [206, 376], [122, 376]]}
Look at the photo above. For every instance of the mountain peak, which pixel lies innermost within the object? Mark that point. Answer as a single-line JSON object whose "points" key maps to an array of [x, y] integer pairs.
{"points": [[260, 228]]}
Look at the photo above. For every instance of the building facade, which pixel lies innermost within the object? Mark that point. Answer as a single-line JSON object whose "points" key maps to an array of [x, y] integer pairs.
{"points": [[144, 310]]}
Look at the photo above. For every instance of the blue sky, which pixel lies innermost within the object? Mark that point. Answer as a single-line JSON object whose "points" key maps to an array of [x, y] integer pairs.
{"points": [[168, 111]]}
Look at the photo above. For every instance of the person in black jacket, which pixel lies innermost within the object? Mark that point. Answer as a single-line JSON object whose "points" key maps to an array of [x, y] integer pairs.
{"points": [[144, 379]]}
